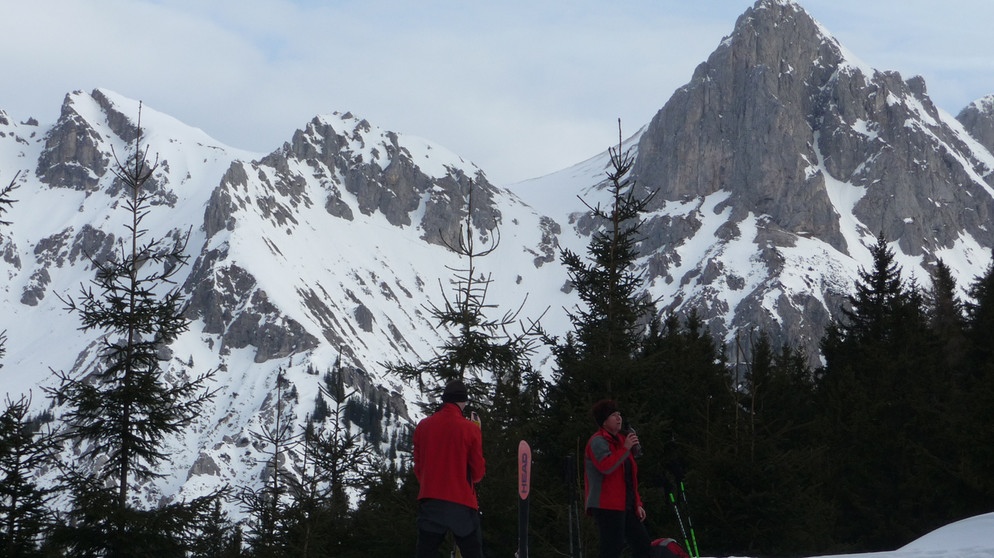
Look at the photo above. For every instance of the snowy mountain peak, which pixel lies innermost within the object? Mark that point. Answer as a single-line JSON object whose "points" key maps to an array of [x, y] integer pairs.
{"points": [[324, 251], [978, 120], [779, 163], [776, 165], [364, 142], [984, 104]]}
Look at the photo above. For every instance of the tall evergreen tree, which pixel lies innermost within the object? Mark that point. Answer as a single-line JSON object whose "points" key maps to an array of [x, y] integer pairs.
{"points": [[761, 484], [688, 426], [121, 412], [5, 203], [976, 407], [337, 461], [383, 523], [980, 322], [24, 451], [217, 537], [482, 351], [492, 357], [5, 200], [267, 505], [611, 321], [24, 517], [878, 394], [597, 358], [947, 318]]}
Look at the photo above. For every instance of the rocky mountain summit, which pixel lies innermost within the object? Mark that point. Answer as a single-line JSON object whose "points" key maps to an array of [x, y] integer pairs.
{"points": [[775, 167], [978, 119], [779, 163]]}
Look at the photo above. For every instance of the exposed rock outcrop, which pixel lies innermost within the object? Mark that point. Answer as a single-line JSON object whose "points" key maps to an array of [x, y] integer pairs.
{"points": [[785, 125], [978, 119]]}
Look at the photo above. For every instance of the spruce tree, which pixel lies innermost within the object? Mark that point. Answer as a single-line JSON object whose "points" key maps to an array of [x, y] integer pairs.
{"points": [[880, 393], [947, 318], [24, 451], [5, 200], [120, 412], [267, 505], [384, 521], [760, 477], [689, 425], [337, 460], [217, 537], [5, 203], [980, 322], [948, 438], [976, 407], [611, 320], [492, 356], [482, 351], [597, 358]]}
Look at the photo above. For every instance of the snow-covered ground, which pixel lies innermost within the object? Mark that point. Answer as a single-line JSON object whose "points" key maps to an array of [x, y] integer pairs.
{"points": [[969, 538], [973, 537]]}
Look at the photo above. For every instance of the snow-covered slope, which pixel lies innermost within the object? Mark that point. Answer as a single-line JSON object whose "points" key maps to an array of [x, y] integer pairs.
{"points": [[970, 538], [327, 250]]}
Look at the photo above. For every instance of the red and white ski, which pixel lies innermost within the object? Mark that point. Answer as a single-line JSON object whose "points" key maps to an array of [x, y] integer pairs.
{"points": [[524, 486]]}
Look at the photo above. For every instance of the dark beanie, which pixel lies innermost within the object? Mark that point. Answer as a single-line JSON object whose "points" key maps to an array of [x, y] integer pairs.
{"points": [[603, 409], [455, 392]]}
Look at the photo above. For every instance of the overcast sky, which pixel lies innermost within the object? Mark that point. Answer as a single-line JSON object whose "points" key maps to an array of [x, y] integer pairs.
{"points": [[520, 87]]}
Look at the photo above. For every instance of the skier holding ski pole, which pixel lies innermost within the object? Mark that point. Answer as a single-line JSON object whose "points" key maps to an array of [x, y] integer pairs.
{"points": [[611, 485]]}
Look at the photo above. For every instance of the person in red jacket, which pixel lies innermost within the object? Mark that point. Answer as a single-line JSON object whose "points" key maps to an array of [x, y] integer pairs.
{"points": [[448, 462], [611, 485]]}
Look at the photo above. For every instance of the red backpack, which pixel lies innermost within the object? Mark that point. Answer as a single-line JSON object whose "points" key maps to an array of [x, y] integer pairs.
{"points": [[667, 548]]}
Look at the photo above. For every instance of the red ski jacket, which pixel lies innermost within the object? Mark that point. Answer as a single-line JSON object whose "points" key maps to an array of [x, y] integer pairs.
{"points": [[604, 472], [448, 456]]}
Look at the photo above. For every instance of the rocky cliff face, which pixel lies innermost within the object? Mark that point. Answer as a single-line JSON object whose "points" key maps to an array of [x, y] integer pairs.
{"points": [[342, 167], [801, 141]]}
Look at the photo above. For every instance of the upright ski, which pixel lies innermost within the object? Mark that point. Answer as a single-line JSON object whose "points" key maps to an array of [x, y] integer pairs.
{"points": [[524, 485]]}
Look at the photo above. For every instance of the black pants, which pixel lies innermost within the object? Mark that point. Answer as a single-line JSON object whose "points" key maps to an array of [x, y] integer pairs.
{"points": [[436, 518], [616, 527]]}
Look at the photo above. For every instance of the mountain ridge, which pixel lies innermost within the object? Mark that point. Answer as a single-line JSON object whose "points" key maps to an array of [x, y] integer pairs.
{"points": [[805, 144], [353, 299], [327, 249]]}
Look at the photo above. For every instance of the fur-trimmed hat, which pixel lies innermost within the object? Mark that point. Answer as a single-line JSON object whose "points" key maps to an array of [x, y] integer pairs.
{"points": [[603, 409], [455, 392]]}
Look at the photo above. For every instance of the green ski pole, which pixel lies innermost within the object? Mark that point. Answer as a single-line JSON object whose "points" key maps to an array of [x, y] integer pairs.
{"points": [[693, 537], [679, 520]]}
